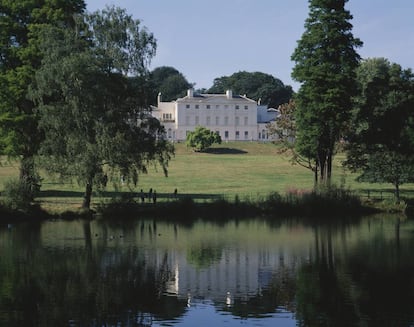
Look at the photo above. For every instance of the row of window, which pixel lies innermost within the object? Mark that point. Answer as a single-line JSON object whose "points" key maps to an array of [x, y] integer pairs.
{"points": [[226, 134], [217, 120], [217, 106]]}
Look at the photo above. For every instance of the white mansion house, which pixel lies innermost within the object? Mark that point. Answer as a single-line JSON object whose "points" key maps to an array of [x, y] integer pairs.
{"points": [[234, 117]]}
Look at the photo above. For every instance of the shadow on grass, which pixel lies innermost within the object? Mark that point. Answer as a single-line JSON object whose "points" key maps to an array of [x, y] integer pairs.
{"points": [[128, 194], [224, 151]]}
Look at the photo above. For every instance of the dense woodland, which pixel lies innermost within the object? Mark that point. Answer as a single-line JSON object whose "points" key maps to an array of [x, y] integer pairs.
{"points": [[75, 88]]}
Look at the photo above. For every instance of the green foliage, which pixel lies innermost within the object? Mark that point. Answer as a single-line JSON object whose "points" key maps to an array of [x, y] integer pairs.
{"points": [[257, 85], [202, 138], [169, 82], [21, 25], [284, 128], [89, 97], [325, 62], [17, 195], [380, 146]]}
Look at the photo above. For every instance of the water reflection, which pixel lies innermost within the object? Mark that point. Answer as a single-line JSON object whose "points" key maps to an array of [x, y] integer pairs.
{"points": [[148, 273]]}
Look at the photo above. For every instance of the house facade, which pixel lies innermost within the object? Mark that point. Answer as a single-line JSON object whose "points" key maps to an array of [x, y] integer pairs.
{"points": [[233, 117]]}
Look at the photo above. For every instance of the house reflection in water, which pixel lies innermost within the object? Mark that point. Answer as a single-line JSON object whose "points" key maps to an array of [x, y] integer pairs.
{"points": [[237, 274]]}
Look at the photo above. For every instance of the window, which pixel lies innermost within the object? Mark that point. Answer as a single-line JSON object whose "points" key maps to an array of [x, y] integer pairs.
{"points": [[263, 134], [226, 134], [246, 121], [197, 120], [208, 106], [208, 120], [226, 106], [237, 122], [246, 107], [246, 135], [226, 120], [217, 106], [197, 106], [237, 106], [237, 135], [169, 133], [217, 120], [187, 106], [187, 120]]}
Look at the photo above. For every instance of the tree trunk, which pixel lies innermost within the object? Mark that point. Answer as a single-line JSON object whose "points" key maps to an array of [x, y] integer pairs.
{"points": [[315, 177], [27, 175], [87, 196], [328, 168], [397, 192]]}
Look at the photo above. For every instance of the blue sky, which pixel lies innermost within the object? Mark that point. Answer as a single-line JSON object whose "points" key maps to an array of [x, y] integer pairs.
{"points": [[214, 38]]}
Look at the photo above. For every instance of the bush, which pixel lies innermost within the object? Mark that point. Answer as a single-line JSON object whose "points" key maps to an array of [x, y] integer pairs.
{"points": [[17, 195]]}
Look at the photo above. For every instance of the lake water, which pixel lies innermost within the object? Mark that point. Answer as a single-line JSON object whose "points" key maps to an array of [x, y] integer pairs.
{"points": [[250, 272]]}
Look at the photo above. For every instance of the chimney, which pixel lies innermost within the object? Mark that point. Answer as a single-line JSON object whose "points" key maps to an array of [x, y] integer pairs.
{"points": [[229, 94], [190, 93], [159, 98]]}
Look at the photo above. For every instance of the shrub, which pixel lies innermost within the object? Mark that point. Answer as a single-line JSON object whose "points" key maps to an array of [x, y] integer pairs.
{"points": [[17, 195]]}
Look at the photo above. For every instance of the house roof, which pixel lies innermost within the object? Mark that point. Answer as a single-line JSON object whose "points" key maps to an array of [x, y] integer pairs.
{"points": [[214, 97]]}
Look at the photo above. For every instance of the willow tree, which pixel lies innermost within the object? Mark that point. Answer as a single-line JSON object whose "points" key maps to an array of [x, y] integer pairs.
{"points": [[89, 96], [325, 62]]}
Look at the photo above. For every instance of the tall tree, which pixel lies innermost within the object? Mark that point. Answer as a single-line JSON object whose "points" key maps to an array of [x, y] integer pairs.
{"points": [[20, 25], [380, 143], [270, 90], [89, 97], [325, 61]]}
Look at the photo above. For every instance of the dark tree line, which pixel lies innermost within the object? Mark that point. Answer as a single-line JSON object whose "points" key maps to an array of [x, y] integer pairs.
{"points": [[74, 93]]}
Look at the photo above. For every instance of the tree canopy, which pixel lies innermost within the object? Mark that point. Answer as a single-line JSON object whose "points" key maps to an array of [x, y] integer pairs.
{"points": [[325, 62], [380, 143], [169, 82], [21, 24], [91, 114], [258, 86]]}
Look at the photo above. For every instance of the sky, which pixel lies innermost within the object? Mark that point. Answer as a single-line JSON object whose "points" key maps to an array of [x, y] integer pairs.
{"points": [[205, 40]]}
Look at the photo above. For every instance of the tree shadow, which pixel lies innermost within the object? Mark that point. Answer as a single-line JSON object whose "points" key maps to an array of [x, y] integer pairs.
{"points": [[224, 151], [59, 194]]}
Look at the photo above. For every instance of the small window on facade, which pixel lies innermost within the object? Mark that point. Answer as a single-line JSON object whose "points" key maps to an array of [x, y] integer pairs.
{"points": [[226, 134], [237, 122], [197, 120], [237, 106], [226, 106], [187, 106], [217, 106], [217, 120], [208, 106], [187, 120], [208, 121], [197, 106], [226, 120], [246, 121], [246, 107], [246, 135], [237, 135]]}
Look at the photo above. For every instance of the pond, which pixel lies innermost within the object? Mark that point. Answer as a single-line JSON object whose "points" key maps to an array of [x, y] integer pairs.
{"points": [[249, 272]]}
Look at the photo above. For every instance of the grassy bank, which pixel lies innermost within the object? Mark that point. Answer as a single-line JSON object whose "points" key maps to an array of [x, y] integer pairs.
{"points": [[248, 170]]}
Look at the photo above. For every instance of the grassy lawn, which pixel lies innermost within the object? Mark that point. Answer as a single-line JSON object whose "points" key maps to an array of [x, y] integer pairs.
{"points": [[246, 169]]}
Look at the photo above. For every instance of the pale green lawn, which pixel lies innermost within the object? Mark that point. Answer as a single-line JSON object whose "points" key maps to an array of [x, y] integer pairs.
{"points": [[248, 169]]}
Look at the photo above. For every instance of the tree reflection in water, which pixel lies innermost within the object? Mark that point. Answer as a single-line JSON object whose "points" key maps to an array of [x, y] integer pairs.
{"points": [[142, 273]]}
